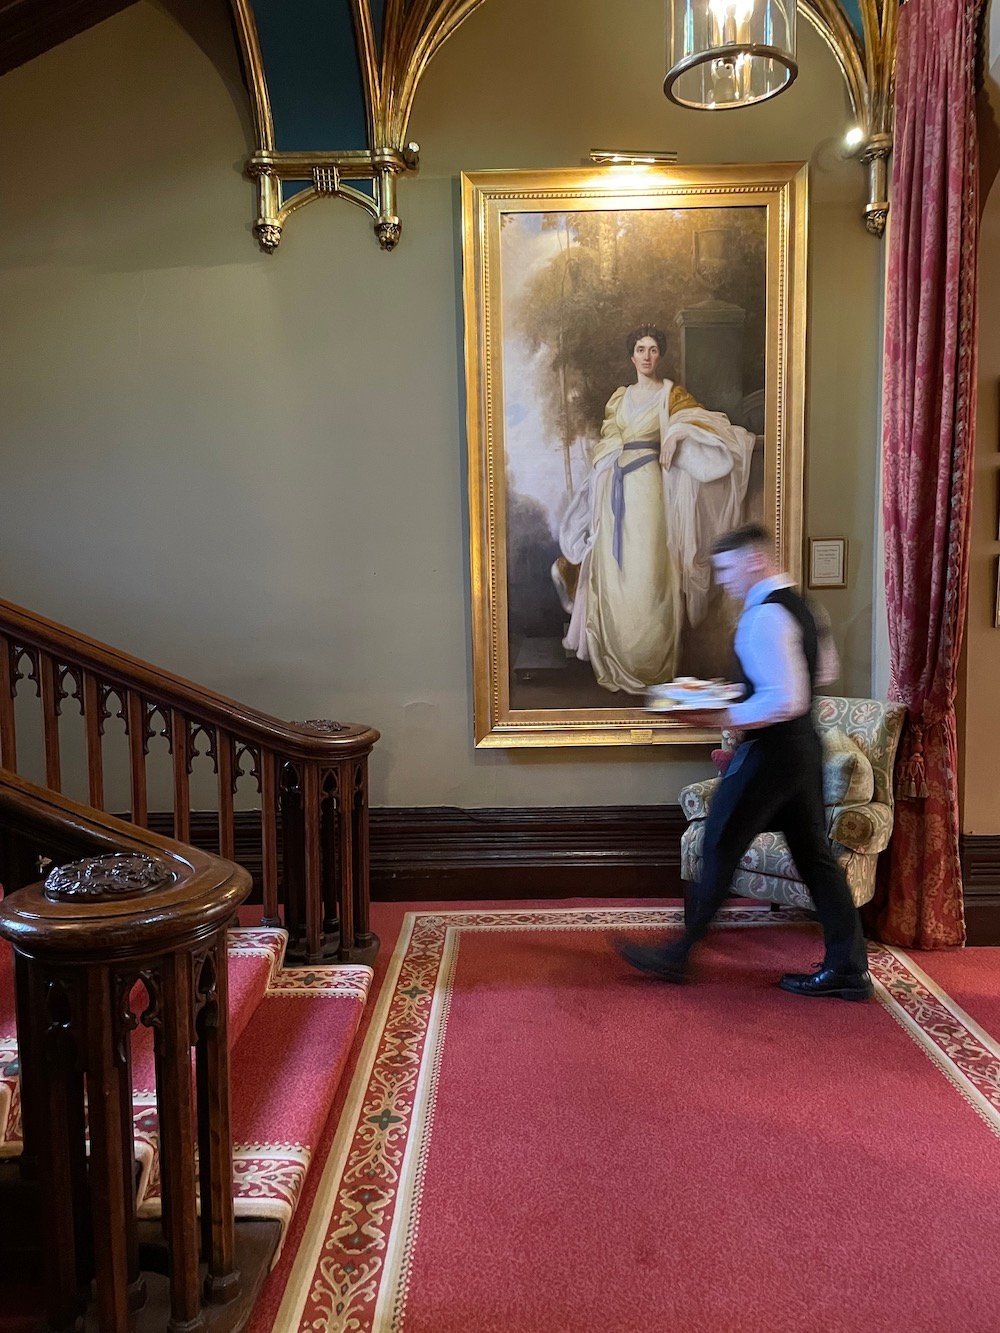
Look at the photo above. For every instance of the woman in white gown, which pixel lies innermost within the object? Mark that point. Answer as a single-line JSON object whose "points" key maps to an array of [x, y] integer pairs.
{"points": [[666, 477]]}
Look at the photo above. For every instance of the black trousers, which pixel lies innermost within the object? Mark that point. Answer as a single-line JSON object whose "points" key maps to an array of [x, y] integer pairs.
{"points": [[775, 784]]}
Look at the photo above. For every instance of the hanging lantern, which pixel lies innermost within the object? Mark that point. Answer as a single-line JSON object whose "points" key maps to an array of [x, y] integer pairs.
{"points": [[726, 53]]}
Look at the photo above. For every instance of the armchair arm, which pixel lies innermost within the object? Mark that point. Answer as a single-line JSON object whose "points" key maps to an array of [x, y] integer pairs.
{"points": [[863, 828], [694, 799]]}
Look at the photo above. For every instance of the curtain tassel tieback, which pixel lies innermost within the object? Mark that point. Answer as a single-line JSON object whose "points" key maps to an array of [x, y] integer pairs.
{"points": [[913, 779], [912, 772]]}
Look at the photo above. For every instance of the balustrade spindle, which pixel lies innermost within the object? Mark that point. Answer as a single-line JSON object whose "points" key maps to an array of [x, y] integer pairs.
{"points": [[52, 1095], [94, 723], [136, 724], [345, 855], [173, 1039], [215, 1141], [362, 868], [126, 1022], [110, 1170], [312, 862], [50, 692], [269, 835], [292, 855], [330, 867], [181, 750], [227, 825], [8, 733]]}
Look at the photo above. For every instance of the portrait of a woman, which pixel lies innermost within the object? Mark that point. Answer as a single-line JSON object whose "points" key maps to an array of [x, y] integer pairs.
{"points": [[665, 477]]}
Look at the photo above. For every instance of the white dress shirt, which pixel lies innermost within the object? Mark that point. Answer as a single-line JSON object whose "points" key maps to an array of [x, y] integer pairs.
{"points": [[769, 646]]}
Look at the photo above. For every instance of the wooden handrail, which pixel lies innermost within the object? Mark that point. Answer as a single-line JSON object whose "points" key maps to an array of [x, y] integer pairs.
{"points": [[137, 908], [299, 740], [312, 776], [66, 830]]}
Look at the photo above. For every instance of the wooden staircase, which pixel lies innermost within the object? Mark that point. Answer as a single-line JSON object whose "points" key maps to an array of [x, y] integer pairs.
{"points": [[171, 1074]]}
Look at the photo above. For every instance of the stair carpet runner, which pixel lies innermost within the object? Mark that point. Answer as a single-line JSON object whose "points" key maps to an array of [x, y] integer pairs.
{"points": [[290, 1034]]}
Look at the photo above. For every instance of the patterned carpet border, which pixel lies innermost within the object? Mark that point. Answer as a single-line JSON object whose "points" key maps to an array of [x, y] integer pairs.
{"points": [[351, 1271]]}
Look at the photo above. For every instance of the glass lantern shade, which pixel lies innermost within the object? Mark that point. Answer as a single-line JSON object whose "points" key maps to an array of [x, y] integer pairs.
{"points": [[727, 53]]}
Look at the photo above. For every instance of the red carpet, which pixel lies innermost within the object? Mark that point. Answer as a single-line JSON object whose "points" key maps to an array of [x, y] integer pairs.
{"points": [[538, 1139], [971, 978]]}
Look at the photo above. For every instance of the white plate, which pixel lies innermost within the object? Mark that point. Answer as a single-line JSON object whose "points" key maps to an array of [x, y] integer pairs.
{"points": [[655, 705], [710, 695]]}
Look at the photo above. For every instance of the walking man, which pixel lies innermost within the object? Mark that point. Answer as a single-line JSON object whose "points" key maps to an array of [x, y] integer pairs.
{"points": [[774, 781]]}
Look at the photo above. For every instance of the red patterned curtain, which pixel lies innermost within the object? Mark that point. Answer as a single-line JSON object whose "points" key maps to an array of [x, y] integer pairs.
{"points": [[928, 439]]}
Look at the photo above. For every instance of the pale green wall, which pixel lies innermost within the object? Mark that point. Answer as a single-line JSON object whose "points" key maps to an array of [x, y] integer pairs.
{"points": [[250, 469]]}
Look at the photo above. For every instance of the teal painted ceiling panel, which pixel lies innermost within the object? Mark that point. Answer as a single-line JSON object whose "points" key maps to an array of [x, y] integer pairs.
{"points": [[852, 9], [378, 19], [313, 76]]}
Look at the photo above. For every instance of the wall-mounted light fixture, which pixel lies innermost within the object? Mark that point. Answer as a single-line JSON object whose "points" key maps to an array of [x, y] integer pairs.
{"points": [[629, 157], [729, 53]]}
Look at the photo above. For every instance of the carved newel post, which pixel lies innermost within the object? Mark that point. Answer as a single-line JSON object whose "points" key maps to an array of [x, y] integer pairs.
{"points": [[324, 817], [104, 945]]}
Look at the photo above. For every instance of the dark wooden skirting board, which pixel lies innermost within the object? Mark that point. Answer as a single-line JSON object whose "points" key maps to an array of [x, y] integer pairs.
{"points": [[439, 852], [981, 877], [591, 851], [443, 853]]}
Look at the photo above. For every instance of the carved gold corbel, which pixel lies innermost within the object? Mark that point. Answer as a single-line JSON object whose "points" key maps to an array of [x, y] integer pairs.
{"points": [[868, 63], [411, 34]]}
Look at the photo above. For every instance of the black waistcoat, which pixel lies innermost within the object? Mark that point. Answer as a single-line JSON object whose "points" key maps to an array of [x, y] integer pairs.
{"points": [[796, 605]]}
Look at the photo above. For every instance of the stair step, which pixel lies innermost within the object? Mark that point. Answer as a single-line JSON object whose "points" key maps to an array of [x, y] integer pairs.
{"points": [[291, 1032], [284, 1071], [255, 958]]}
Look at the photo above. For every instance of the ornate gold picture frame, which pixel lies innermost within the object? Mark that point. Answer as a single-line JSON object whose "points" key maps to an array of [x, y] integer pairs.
{"points": [[635, 367]]}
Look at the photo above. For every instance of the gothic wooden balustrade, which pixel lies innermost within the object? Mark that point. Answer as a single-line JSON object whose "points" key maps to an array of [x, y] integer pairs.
{"points": [[138, 909], [312, 777]]}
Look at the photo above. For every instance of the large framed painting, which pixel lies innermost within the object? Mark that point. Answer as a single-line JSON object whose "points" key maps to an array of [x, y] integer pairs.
{"points": [[635, 363]]}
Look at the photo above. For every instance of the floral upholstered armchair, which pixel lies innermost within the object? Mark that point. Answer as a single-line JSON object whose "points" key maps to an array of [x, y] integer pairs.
{"points": [[860, 737]]}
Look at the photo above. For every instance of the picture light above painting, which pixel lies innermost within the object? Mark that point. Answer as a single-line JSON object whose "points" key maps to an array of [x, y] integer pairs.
{"points": [[635, 363]]}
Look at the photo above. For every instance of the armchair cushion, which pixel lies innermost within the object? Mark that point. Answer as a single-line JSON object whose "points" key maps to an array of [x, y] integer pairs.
{"points": [[871, 724], [848, 776], [862, 828]]}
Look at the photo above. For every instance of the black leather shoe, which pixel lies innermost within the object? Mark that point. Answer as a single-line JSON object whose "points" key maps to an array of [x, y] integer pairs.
{"points": [[669, 964], [827, 982]]}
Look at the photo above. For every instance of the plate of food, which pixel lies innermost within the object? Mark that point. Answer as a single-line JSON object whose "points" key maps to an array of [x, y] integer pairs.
{"points": [[690, 692]]}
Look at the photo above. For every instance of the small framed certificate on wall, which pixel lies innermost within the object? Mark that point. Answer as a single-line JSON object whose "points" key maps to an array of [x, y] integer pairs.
{"points": [[827, 562]]}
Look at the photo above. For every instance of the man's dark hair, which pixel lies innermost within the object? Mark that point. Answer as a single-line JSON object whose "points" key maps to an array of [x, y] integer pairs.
{"points": [[750, 534]]}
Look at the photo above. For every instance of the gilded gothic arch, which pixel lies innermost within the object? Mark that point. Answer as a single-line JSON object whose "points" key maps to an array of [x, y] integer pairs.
{"points": [[332, 82], [367, 92]]}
